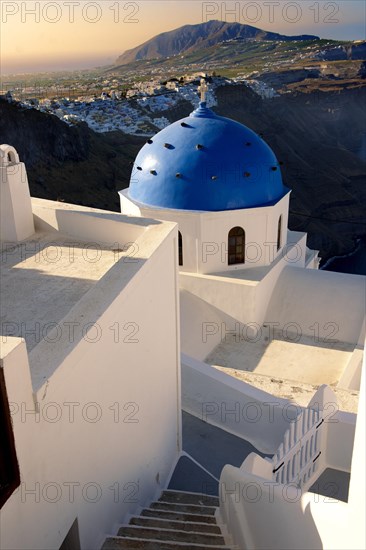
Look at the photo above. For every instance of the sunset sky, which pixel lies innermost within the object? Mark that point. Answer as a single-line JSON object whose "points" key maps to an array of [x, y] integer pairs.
{"points": [[70, 34]]}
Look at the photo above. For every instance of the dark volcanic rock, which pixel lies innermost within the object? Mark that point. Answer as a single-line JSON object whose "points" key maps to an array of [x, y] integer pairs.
{"points": [[347, 51], [40, 137], [319, 137], [70, 163], [278, 79], [362, 71]]}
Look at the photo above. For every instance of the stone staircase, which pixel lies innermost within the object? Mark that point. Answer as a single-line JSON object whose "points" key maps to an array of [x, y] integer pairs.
{"points": [[178, 520]]}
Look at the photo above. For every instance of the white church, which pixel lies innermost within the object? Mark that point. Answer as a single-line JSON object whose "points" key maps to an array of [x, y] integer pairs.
{"points": [[181, 374]]}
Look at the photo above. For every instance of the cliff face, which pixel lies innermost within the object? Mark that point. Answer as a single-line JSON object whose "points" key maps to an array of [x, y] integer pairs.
{"points": [[319, 137], [73, 164], [349, 51], [41, 138]]}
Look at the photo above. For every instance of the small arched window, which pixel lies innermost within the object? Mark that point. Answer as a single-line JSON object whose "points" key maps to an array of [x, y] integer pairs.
{"points": [[11, 157], [236, 246], [279, 233], [180, 248]]}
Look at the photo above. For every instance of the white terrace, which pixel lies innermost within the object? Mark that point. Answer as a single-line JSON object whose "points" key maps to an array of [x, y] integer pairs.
{"points": [[92, 398]]}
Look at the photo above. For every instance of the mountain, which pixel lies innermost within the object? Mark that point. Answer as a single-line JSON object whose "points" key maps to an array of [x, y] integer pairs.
{"points": [[190, 38]]}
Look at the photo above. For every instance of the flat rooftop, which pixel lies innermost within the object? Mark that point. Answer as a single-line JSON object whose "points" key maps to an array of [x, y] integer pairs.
{"points": [[73, 249], [43, 278], [292, 357]]}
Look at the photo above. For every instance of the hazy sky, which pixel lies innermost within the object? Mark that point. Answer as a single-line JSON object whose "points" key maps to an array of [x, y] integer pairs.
{"points": [[46, 35]]}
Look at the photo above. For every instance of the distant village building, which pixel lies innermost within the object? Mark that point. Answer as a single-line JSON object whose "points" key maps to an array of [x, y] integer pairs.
{"points": [[9, 96]]}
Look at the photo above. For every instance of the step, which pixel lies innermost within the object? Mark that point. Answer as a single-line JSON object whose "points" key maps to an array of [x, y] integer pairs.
{"points": [[117, 543], [185, 508], [179, 497], [177, 525], [177, 516], [170, 535]]}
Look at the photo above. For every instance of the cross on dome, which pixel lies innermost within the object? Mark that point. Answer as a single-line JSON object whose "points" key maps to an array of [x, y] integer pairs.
{"points": [[203, 89]]}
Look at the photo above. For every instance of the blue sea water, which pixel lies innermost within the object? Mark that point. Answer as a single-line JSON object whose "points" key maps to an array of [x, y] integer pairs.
{"points": [[354, 263]]}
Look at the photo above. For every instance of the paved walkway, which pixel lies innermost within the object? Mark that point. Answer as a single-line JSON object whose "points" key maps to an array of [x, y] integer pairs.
{"points": [[211, 448]]}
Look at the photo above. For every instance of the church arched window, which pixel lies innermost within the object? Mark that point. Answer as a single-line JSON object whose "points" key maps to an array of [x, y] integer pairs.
{"points": [[279, 233], [11, 157], [180, 248], [236, 246]]}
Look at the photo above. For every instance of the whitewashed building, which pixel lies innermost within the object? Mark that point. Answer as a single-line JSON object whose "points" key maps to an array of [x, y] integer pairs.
{"points": [[140, 352]]}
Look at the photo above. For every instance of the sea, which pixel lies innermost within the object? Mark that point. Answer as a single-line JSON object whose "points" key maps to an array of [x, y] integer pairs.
{"points": [[354, 263]]}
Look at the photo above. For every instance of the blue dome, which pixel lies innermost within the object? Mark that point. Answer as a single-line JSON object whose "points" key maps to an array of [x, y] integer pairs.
{"points": [[206, 162]]}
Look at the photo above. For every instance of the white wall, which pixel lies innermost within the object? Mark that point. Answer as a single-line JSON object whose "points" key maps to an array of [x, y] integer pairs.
{"points": [[188, 224], [198, 322], [246, 298], [331, 304], [235, 406], [260, 226], [292, 254], [235, 298], [203, 326], [116, 401], [88, 224], [205, 234], [358, 475]]}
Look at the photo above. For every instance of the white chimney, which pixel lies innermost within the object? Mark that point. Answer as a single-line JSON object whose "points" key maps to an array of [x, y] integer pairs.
{"points": [[16, 217]]}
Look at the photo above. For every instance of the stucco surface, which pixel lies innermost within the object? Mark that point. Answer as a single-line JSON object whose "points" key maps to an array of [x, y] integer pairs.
{"points": [[305, 361], [297, 392]]}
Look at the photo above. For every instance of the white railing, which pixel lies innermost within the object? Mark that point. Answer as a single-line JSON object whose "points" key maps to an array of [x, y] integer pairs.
{"points": [[274, 492], [296, 459]]}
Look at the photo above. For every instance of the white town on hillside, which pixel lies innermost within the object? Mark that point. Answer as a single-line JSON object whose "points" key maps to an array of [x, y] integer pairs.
{"points": [[111, 112]]}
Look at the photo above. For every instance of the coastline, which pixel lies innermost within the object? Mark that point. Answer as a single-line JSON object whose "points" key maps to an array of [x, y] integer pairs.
{"points": [[354, 262]]}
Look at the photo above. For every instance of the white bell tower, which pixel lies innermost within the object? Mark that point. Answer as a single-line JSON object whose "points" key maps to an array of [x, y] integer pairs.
{"points": [[16, 217]]}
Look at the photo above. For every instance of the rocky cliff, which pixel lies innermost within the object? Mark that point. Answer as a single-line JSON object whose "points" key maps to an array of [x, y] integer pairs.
{"points": [[73, 164], [320, 139]]}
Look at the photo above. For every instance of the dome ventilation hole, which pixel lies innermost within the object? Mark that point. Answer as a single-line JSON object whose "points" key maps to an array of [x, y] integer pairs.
{"points": [[184, 124], [178, 175], [246, 174], [199, 146], [274, 168], [168, 145], [149, 141], [248, 144], [153, 172], [139, 168]]}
